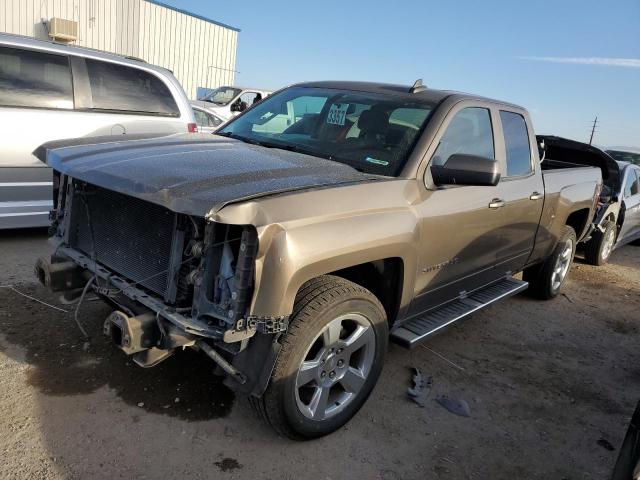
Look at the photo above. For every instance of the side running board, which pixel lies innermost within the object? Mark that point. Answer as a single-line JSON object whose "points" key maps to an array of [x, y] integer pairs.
{"points": [[414, 331]]}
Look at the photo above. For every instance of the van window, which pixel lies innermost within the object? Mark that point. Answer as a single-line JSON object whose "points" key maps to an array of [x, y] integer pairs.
{"points": [[34, 79], [470, 133], [116, 87], [516, 141]]}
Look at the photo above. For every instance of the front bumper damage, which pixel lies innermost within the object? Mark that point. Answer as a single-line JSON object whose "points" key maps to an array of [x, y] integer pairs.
{"points": [[150, 331], [104, 240]]}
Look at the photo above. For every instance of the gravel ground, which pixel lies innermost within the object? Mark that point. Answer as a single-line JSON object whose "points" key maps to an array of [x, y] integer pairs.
{"points": [[551, 387]]}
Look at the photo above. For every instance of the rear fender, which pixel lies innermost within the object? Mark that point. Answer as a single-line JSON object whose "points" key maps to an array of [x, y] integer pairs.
{"points": [[557, 210]]}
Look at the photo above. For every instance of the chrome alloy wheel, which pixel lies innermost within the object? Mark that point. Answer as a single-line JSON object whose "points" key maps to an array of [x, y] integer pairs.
{"points": [[562, 265], [335, 367], [608, 243]]}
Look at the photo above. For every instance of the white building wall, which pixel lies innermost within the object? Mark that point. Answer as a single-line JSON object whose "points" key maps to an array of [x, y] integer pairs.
{"points": [[200, 53]]}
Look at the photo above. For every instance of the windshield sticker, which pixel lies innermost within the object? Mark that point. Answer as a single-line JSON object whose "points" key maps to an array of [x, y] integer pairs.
{"points": [[337, 113], [376, 161]]}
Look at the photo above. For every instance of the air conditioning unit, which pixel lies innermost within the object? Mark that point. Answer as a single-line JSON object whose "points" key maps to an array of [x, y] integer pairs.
{"points": [[63, 30]]}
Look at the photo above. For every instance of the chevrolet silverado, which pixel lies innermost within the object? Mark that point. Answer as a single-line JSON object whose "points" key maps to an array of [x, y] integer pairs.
{"points": [[319, 224]]}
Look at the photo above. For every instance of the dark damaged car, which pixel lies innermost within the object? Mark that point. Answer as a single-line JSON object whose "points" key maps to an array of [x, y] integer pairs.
{"points": [[323, 221]]}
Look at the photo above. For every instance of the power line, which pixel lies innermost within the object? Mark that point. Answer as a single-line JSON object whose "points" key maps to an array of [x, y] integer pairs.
{"points": [[593, 129]]}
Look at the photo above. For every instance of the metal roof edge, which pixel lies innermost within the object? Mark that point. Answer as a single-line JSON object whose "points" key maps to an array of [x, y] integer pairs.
{"points": [[195, 15]]}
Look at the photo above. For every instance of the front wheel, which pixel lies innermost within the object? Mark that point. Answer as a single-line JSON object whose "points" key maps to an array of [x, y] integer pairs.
{"points": [[546, 279], [331, 358]]}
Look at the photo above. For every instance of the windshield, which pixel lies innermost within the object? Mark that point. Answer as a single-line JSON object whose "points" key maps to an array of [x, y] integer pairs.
{"points": [[221, 95], [625, 156], [371, 132]]}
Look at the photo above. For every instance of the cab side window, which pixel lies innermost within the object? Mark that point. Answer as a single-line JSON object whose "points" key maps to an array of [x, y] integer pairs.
{"points": [[470, 132], [631, 185], [516, 140]]}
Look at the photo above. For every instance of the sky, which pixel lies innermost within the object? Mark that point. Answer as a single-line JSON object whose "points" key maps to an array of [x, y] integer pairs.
{"points": [[566, 61]]}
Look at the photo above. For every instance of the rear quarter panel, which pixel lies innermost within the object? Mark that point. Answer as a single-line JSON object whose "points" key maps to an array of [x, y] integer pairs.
{"points": [[566, 191]]}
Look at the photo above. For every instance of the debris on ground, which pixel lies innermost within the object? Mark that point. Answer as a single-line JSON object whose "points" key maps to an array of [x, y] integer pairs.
{"points": [[421, 387], [454, 405], [606, 444]]}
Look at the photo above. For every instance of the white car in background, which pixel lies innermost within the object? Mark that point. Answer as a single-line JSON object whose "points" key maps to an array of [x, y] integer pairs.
{"points": [[206, 118], [50, 91], [227, 102]]}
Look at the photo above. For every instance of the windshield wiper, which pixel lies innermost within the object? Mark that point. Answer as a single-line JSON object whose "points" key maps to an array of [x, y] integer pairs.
{"points": [[252, 141], [290, 148], [242, 139]]}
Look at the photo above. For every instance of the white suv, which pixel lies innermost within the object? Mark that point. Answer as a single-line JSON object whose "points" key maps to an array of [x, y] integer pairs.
{"points": [[50, 91]]}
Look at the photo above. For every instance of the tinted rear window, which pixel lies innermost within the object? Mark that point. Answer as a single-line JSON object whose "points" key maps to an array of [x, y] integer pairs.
{"points": [[116, 87], [34, 79]]}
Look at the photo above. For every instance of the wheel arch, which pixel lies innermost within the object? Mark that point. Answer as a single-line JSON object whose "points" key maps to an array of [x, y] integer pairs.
{"points": [[579, 221], [384, 278]]}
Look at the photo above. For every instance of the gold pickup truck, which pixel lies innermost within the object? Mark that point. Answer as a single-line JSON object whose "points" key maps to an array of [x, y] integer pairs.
{"points": [[314, 227]]}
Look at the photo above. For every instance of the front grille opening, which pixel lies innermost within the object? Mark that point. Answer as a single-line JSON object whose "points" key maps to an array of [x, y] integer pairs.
{"points": [[127, 235], [135, 239]]}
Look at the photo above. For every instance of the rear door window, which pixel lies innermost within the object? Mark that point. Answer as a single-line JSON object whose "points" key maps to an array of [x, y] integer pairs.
{"points": [[35, 79], [516, 141], [470, 133], [204, 119], [631, 185], [127, 89]]}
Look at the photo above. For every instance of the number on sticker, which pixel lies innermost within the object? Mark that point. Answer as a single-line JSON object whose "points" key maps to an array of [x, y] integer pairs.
{"points": [[337, 113]]}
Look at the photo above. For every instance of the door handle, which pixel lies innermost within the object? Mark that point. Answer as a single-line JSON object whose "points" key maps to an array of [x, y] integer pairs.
{"points": [[497, 203], [535, 196]]}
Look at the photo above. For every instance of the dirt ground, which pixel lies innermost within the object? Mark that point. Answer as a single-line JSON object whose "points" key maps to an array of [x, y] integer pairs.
{"points": [[551, 387]]}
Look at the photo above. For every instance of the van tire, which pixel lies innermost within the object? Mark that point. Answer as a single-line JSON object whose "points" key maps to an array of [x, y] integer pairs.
{"points": [[542, 282], [597, 250], [319, 303]]}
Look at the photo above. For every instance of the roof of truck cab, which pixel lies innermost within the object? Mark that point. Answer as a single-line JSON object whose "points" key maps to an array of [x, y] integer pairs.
{"points": [[428, 94]]}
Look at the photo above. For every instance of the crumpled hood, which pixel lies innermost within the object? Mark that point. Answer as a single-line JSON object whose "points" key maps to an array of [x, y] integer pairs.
{"points": [[189, 173]]}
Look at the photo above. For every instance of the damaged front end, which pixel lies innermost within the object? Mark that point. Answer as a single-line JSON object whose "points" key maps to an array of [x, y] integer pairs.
{"points": [[174, 280]]}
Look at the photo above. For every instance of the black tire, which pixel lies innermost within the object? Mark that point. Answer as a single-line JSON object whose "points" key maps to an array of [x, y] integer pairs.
{"points": [[540, 277], [318, 303], [595, 252]]}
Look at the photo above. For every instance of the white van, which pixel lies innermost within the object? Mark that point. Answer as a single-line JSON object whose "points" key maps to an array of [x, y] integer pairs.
{"points": [[50, 91]]}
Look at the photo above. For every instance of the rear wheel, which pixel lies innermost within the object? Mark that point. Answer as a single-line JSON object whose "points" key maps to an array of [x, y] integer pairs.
{"points": [[330, 360], [546, 279], [598, 249]]}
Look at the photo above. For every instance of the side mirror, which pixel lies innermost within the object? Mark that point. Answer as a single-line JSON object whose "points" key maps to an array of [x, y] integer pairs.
{"points": [[462, 169]]}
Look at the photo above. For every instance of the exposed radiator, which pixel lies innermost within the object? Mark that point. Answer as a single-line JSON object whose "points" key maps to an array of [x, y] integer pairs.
{"points": [[128, 236]]}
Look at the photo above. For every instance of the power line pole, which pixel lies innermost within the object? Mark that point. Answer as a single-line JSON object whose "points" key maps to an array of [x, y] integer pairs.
{"points": [[593, 129]]}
